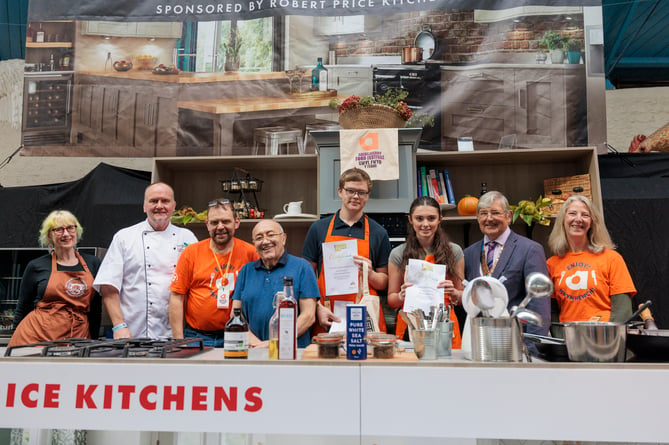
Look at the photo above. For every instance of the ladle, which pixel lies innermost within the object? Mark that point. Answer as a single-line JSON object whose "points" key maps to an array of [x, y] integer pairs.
{"points": [[529, 316], [537, 285]]}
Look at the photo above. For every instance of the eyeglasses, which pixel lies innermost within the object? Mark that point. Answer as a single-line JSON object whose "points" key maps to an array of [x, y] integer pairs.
{"points": [[269, 235], [360, 193], [61, 230], [219, 202], [493, 214]]}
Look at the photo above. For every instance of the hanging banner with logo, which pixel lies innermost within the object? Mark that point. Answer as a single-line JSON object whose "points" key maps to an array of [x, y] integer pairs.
{"points": [[375, 151]]}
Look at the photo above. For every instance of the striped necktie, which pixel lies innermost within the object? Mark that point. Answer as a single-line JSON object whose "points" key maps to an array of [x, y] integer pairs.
{"points": [[490, 255]]}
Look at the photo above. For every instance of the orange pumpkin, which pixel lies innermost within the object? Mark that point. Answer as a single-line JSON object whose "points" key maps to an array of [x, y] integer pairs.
{"points": [[467, 206]]}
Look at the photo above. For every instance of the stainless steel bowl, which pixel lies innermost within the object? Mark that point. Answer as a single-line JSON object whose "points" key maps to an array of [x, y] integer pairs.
{"points": [[589, 341]]}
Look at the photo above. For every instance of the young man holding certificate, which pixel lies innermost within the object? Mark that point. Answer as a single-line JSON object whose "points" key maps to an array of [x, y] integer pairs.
{"points": [[370, 244]]}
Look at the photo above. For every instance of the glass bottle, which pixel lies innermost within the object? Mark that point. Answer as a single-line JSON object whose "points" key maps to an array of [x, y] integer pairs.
{"points": [[288, 322], [236, 339], [39, 35], [484, 188], [30, 33], [274, 327], [319, 77]]}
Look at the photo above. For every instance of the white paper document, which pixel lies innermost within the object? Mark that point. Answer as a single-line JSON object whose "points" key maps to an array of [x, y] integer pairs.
{"points": [[341, 273], [424, 293]]}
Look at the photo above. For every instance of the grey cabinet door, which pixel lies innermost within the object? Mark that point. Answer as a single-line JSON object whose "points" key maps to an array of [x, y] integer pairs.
{"points": [[146, 119], [540, 108]]}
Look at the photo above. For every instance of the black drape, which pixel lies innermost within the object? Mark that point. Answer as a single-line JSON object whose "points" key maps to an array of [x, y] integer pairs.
{"points": [[105, 200], [635, 191]]}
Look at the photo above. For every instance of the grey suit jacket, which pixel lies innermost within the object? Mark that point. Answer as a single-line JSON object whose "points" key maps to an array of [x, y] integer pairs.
{"points": [[521, 256]]}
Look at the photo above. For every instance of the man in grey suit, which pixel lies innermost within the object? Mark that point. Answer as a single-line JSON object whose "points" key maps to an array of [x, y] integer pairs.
{"points": [[507, 256]]}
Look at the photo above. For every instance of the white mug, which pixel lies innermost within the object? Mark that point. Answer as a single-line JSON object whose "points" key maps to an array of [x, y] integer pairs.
{"points": [[293, 208]]}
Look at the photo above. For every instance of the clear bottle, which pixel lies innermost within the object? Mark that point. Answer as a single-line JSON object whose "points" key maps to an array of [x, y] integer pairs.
{"points": [[236, 342], [288, 322], [319, 77], [274, 327], [39, 35]]}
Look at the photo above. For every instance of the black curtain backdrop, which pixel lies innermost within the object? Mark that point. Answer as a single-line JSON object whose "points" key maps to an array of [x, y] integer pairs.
{"points": [[105, 200], [635, 190]]}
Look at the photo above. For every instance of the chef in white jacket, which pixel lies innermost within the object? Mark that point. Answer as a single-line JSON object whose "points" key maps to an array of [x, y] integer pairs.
{"points": [[134, 278]]}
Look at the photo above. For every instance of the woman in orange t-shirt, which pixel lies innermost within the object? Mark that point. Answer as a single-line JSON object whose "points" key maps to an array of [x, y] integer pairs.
{"points": [[591, 279], [426, 240]]}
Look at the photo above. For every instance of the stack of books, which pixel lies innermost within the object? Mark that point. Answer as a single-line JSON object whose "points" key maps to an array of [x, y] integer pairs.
{"points": [[436, 184]]}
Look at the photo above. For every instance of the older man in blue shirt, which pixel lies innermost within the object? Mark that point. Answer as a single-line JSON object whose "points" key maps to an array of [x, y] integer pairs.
{"points": [[259, 280]]}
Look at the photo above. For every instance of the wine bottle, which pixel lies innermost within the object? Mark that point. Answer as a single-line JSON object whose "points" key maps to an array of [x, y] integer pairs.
{"points": [[236, 337], [484, 188], [319, 77], [30, 33], [287, 323]]}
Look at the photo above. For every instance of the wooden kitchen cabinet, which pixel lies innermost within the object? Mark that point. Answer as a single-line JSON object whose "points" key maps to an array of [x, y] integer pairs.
{"points": [[196, 181], [132, 29], [134, 118], [543, 106], [518, 174]]}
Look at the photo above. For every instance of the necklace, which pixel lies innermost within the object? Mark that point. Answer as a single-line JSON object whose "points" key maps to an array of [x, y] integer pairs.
{"points": [[484, 264], [224, 278]]}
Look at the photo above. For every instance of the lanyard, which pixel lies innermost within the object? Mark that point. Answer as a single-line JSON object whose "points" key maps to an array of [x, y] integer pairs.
{"points": [[227, 263]]}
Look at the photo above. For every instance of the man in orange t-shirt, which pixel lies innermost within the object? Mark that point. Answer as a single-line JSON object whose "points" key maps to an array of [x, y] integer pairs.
{"points": [[205, 276]]}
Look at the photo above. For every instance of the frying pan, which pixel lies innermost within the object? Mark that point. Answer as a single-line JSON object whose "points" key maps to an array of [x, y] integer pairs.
{"points": [[649, 345], [550, 349], [426, 40]]}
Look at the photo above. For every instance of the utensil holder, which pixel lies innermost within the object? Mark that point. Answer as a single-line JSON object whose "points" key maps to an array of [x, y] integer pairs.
{"points": [[496, 340], [445, 344], [425, 343]]}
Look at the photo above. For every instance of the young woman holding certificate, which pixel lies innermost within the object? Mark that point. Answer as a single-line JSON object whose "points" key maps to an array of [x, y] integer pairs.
{"points": [[426, 240]]}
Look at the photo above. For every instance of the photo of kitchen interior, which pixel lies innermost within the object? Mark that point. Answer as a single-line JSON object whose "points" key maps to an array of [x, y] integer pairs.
{"points": [[145, 89]]}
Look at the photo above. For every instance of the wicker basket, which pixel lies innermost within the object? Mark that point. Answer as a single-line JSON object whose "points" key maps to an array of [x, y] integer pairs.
{"points": [[371, 116], [559, 189]]}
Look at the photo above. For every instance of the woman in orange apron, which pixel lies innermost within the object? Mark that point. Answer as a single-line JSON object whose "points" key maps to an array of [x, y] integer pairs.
{"points": [[57, 289], [363, 250], [426, 240]]}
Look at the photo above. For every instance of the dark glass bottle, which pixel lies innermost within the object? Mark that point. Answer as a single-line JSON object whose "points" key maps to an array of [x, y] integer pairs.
{"points": [[484, 188], [319, 77], [236, 342], [288, 322]]}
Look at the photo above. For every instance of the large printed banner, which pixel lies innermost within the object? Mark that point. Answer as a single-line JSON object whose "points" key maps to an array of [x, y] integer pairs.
{"points": [[150, 10], [236, 77]]}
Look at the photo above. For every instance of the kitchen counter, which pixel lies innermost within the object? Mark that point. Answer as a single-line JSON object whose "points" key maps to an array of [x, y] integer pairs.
{"points": [[224, 112], [185, 77], [540, 66], [457, 398]]}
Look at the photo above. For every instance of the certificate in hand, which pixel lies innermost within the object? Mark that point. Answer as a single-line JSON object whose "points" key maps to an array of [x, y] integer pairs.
{"points": [[341, 273], [424, 293]]}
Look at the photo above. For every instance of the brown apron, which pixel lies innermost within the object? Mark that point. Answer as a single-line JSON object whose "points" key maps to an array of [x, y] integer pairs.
{"points": [[62, 311]]}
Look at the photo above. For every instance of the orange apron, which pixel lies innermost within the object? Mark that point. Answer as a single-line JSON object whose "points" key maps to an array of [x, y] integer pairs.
{"points": [[62, 311], [401, 326], [363, 250]]}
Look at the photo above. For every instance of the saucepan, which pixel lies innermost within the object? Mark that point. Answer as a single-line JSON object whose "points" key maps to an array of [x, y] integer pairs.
{"points": [[411, 54], [592, 341]]}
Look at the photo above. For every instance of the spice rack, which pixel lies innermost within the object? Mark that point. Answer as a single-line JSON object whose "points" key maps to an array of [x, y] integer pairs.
{"points": [[239, 189]]}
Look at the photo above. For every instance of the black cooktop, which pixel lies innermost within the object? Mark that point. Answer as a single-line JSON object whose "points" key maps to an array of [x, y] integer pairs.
{"points": [[124, 348]]}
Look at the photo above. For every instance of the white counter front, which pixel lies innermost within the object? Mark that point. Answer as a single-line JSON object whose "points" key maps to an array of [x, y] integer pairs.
{"points": [[451, 398]]}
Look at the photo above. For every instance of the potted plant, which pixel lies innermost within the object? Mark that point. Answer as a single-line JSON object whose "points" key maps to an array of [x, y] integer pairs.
{"points": [[532, 212], [386, 111], [574, 51], [555, 43], [232, 48]]}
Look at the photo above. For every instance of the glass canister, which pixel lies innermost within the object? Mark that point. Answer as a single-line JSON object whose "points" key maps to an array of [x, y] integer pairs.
{"points": [[328, 344], [382, 344]]}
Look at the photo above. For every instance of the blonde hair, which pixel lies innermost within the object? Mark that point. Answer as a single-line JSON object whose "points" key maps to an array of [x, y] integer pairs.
{"points": [[58, 218], [598, 237]]}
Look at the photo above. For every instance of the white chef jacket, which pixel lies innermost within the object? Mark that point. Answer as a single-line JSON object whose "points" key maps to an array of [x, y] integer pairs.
{"points": [[139, 263]]}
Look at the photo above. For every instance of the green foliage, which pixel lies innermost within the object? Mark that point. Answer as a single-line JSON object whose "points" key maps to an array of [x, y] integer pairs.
{"points": [[532, 212], [553, 40], [573, 45]]}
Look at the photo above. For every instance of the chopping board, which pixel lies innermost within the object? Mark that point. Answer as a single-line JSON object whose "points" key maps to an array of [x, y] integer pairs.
{"points": [[311, 353]]}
